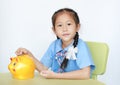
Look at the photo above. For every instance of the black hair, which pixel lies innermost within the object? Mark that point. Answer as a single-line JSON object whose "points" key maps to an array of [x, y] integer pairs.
{"points": [[68, 10]]}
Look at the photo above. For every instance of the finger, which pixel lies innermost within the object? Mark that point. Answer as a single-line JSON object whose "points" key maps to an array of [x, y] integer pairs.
{"points": [[18, 52], [21, 51], [44, 74]]}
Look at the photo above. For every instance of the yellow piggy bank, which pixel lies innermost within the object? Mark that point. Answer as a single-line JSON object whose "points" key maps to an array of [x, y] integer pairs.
{"points": [[22, 67]]}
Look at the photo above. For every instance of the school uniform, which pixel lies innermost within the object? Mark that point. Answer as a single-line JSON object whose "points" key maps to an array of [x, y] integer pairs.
{"points": [[55, 54]]}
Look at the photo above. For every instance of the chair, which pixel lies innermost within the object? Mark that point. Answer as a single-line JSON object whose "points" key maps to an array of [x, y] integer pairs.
{"points": [[99, 52]]}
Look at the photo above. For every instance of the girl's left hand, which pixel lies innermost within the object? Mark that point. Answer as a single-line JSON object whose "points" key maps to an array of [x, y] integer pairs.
{"points": [[48, 74]]}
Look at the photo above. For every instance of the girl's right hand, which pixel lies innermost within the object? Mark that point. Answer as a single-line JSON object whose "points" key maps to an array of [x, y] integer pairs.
{"points": [[22, 51]]}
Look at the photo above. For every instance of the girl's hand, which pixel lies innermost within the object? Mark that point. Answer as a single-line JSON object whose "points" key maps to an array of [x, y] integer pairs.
{"points": [[48, 74], [22, 51]]}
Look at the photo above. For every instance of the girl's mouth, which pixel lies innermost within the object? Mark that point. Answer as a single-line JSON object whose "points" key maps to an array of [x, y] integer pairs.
{"points": [[66, 34]]}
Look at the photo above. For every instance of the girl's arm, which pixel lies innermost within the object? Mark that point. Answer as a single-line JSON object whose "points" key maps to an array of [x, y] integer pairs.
{"points": [[78, 74], [39, 65]]}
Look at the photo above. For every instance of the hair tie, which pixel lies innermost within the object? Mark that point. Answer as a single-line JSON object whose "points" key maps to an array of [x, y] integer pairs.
{"points": [[71, 53]]}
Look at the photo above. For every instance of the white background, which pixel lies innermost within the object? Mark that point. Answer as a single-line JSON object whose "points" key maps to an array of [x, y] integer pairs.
{"points": [[27, 23]]}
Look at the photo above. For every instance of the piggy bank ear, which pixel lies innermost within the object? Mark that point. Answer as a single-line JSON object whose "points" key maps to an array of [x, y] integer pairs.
{"points": [[11, 58], [17, 59]]}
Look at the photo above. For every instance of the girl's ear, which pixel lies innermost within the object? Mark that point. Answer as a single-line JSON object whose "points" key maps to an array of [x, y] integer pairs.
{"points": [[11, 58], [78, 27], [53, 29]]}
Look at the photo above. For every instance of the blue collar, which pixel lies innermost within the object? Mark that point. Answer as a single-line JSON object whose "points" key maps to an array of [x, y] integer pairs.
{"points": [[59, 46]]}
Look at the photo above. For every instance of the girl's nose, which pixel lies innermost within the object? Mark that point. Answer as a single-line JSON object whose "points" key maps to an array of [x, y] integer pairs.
{"points": [[64, 28]]}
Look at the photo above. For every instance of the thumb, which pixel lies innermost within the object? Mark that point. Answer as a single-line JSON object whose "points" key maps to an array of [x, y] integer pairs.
{"points": [[43, 73]]}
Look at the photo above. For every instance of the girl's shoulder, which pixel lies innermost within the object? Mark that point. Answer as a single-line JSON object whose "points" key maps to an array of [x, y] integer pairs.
{"points": [[81, 42], [55, 43]]}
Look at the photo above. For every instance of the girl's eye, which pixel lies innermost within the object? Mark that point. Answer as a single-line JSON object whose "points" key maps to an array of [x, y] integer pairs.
{"points": [[59, 25], [69, 24]]}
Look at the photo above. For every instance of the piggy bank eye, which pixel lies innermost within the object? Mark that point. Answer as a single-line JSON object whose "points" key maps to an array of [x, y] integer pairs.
{"points": [[14, 63]]}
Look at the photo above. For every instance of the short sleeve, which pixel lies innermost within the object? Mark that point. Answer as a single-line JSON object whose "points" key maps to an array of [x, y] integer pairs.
{"points": [[46, 59], [84, 57]]}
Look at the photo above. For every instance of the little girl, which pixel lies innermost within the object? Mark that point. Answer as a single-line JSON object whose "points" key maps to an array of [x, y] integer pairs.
{"points": [[68, 56]]}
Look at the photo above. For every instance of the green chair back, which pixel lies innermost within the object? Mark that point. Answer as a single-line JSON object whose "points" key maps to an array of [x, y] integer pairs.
{"points": [[99, 53]]}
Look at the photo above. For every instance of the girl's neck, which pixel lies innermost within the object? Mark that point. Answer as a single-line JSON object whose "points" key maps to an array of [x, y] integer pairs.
{"points": [[65, 44]]}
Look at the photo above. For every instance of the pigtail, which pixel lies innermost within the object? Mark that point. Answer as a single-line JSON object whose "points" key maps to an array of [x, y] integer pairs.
{"points": [[58, 37], [76, 39], [65, 61]]}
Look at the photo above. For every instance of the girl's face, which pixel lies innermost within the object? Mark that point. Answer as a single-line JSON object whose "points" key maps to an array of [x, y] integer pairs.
{"points": [[65, 27]]}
